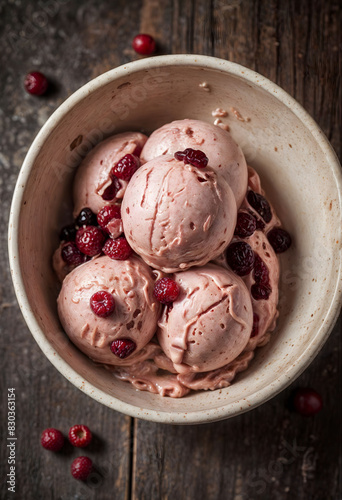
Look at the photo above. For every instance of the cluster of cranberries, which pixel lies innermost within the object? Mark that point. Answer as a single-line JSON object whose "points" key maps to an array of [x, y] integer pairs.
{"points": [[102, 303], [80, 436], [240, 255], [89, 237]]}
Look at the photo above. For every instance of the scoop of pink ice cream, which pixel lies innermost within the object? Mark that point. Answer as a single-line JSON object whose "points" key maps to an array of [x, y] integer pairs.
{"points": [[176, 216], [211, 321], [136, 311], [93, 174], [225, 156]]}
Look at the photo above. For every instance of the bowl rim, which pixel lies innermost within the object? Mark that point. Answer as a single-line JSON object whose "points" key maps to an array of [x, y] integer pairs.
{"points": [[174, 417]]}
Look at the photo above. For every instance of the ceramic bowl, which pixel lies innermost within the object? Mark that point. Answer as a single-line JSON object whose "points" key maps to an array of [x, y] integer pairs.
{"points": [[300, 174]]}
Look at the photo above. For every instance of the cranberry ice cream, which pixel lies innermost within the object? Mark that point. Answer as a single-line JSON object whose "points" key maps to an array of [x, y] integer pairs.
{"points": [[211, 321], [171, 208], [170, 271], [95, 185], [123, 313], [225, 156]]}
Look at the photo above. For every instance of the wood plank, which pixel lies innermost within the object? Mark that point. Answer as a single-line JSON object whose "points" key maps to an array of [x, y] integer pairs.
{"points": [[77, 42]]}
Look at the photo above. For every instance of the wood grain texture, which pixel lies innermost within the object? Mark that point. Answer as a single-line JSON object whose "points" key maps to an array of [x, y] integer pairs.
{"points": [[270, 453]]}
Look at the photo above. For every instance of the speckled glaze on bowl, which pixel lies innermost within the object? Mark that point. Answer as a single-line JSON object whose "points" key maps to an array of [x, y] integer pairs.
{"points": [[299, 171]]}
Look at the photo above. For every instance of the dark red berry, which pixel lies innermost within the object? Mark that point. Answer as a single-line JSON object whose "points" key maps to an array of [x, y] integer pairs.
{"points": [[108, 213], [90, 240], [280, 239], [80, 436], [86, 217], [240, 258], [110, 191], [255, 327], [52, 439], [36, 83], [122, 347], [166, 290], [307, 401], [117, 249], [260, 272], [102, 304], [260, 292], [68, 233], [144, 44], [245, 225], [72, 255], [193, 156], [260, 205], [81, 468], [126, 167]]}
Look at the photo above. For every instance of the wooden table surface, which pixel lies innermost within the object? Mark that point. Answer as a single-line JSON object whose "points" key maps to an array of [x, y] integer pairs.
{"points": [[269, 453]]}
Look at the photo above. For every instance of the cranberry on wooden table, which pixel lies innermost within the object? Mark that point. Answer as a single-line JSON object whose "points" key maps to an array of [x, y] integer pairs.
{"points": [[144, 44], [36, 83], [81, 468], [307, 401], [52, 439], [80, 435]]}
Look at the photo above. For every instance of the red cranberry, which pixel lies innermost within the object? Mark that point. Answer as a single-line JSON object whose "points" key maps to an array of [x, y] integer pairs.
{"points": [[81, 468], [80, 436], [72, 255], [193, 156], [260, 291], [280, 239], [36, 83], [68, 233], [260, 273], [90, 240], [240, 258], [245, 225], [144, 44], [166, 290], [117, 249], [307, 402], [86, 217], [52, 439], [122, 347], [260, 205], [108, 213], [126, 167], [255, 327], [102, 304], [111, 190]]}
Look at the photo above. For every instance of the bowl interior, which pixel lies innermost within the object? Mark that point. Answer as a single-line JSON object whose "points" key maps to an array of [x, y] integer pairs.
{"points": [[296, 173]]}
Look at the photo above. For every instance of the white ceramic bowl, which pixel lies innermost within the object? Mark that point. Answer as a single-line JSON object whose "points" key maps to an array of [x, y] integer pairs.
{"points": [[301, 176]]}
